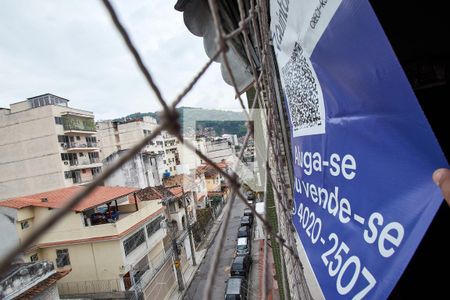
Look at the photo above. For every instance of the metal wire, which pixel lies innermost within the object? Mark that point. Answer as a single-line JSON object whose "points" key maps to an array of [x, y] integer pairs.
{"points": [[264, 83]]}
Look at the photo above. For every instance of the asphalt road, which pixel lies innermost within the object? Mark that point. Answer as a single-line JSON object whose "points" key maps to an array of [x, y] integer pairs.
{"points": [[195, 290]]}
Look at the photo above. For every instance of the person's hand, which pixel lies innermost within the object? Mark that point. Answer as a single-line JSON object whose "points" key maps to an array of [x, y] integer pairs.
{"points": [[442, 179]]}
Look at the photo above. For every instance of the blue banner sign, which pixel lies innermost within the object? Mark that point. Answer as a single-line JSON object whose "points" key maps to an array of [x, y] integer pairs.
{"points": [[363, 151]]}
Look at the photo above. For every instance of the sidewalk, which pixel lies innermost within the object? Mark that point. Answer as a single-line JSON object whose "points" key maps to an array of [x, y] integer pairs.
{"points": [[189, 272]]}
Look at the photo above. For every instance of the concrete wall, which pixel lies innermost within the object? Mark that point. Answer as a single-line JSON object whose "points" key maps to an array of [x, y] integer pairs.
{"points": [[90, 261], [106, 139], [30, 154], [163, 283], [141, 171], [8, 234], [50, 293]]}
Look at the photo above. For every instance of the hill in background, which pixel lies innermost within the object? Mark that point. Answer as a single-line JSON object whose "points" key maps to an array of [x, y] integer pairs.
{"points": [[222, 121]]}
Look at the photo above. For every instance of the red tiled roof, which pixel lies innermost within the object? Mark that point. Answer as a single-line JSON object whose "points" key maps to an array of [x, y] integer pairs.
{"points": [[187, 181], [149, 193], [208, 170], [214, 193], [57, 198], [177, 191], [223, 164]]}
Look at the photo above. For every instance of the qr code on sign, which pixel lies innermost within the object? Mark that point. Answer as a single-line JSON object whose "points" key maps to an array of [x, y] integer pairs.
{"points": [[304, 94]]}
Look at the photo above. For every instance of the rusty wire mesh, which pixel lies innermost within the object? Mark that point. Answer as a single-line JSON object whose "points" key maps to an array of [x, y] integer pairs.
{"points": [[254, 21]]}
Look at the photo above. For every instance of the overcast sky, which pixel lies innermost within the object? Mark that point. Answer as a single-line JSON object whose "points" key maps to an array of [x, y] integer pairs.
{"points": [[70, 48]]}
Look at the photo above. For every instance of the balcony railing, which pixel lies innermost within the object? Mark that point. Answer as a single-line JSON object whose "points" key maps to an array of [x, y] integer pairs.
{"points": [[125, 222], [84, 162], [80, 181], [72, 145]]}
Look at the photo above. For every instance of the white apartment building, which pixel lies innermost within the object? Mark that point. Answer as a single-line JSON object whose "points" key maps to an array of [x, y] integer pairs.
{"points": [[220, 149], [45, 144], [141, 171], [114, 136]]}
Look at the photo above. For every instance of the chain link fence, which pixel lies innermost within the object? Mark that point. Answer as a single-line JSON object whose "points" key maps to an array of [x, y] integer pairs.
{"points": [[252, 35]]}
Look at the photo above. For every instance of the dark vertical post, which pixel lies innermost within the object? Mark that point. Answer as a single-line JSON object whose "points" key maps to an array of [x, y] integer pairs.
{"points": [[188, 226], [135, 201]]}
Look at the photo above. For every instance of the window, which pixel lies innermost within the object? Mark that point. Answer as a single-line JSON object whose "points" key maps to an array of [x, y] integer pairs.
{"points": [[154, 225], [68, 174], [68, 156], [58, 120], [78, 138], [34, 257], [24, 224], [62, 258], [134, 241]]}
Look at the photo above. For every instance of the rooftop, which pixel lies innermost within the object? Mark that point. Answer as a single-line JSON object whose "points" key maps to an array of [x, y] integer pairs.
{"points": [[47, 94], [187, 181], [57, 198]]}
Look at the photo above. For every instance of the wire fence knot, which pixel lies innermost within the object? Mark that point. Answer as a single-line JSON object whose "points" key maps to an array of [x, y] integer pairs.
{"points": [[171, 119]]}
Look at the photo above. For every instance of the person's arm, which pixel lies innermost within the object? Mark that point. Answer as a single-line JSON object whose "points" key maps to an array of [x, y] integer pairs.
{"points": [[442, 179]]}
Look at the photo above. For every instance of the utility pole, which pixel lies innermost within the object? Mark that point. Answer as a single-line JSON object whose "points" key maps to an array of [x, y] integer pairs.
{"points": [[173, 237], [177, 264], [188, 226]]}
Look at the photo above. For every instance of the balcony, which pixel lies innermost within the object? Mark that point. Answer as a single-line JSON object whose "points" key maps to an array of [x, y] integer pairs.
{"points": [[127, 219], [78, 124], [76, 146], [24, 276], [76, 164]]}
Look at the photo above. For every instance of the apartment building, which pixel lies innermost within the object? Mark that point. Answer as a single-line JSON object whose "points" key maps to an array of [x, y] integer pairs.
{"points": [[112, 241], [114, 136], [142, 170], [218, 149], [44, 145]]}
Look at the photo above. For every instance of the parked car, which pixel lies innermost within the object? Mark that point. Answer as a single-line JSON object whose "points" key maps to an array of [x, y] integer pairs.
{"points": [[244, 246], [241, 265], [246, 221], [236, 288], [244, 231], [248, 212]]}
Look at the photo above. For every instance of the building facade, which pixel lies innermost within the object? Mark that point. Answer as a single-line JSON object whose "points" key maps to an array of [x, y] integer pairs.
{"points": [[114, 136], [112, 242], [45, 144], [143, 170]]}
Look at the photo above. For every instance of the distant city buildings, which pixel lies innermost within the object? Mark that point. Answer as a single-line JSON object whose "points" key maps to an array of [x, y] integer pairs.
{"points": [[45, 144], [118, 242]]}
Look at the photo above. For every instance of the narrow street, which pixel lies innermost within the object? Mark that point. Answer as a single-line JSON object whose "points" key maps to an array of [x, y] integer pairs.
{"points": [[195, 290]]}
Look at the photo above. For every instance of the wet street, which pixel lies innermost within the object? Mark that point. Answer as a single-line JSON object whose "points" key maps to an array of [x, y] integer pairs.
{"points": [[195, 290]]}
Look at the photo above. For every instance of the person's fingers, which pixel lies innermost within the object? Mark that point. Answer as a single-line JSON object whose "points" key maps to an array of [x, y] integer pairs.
{"points": [[442, 179]]}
